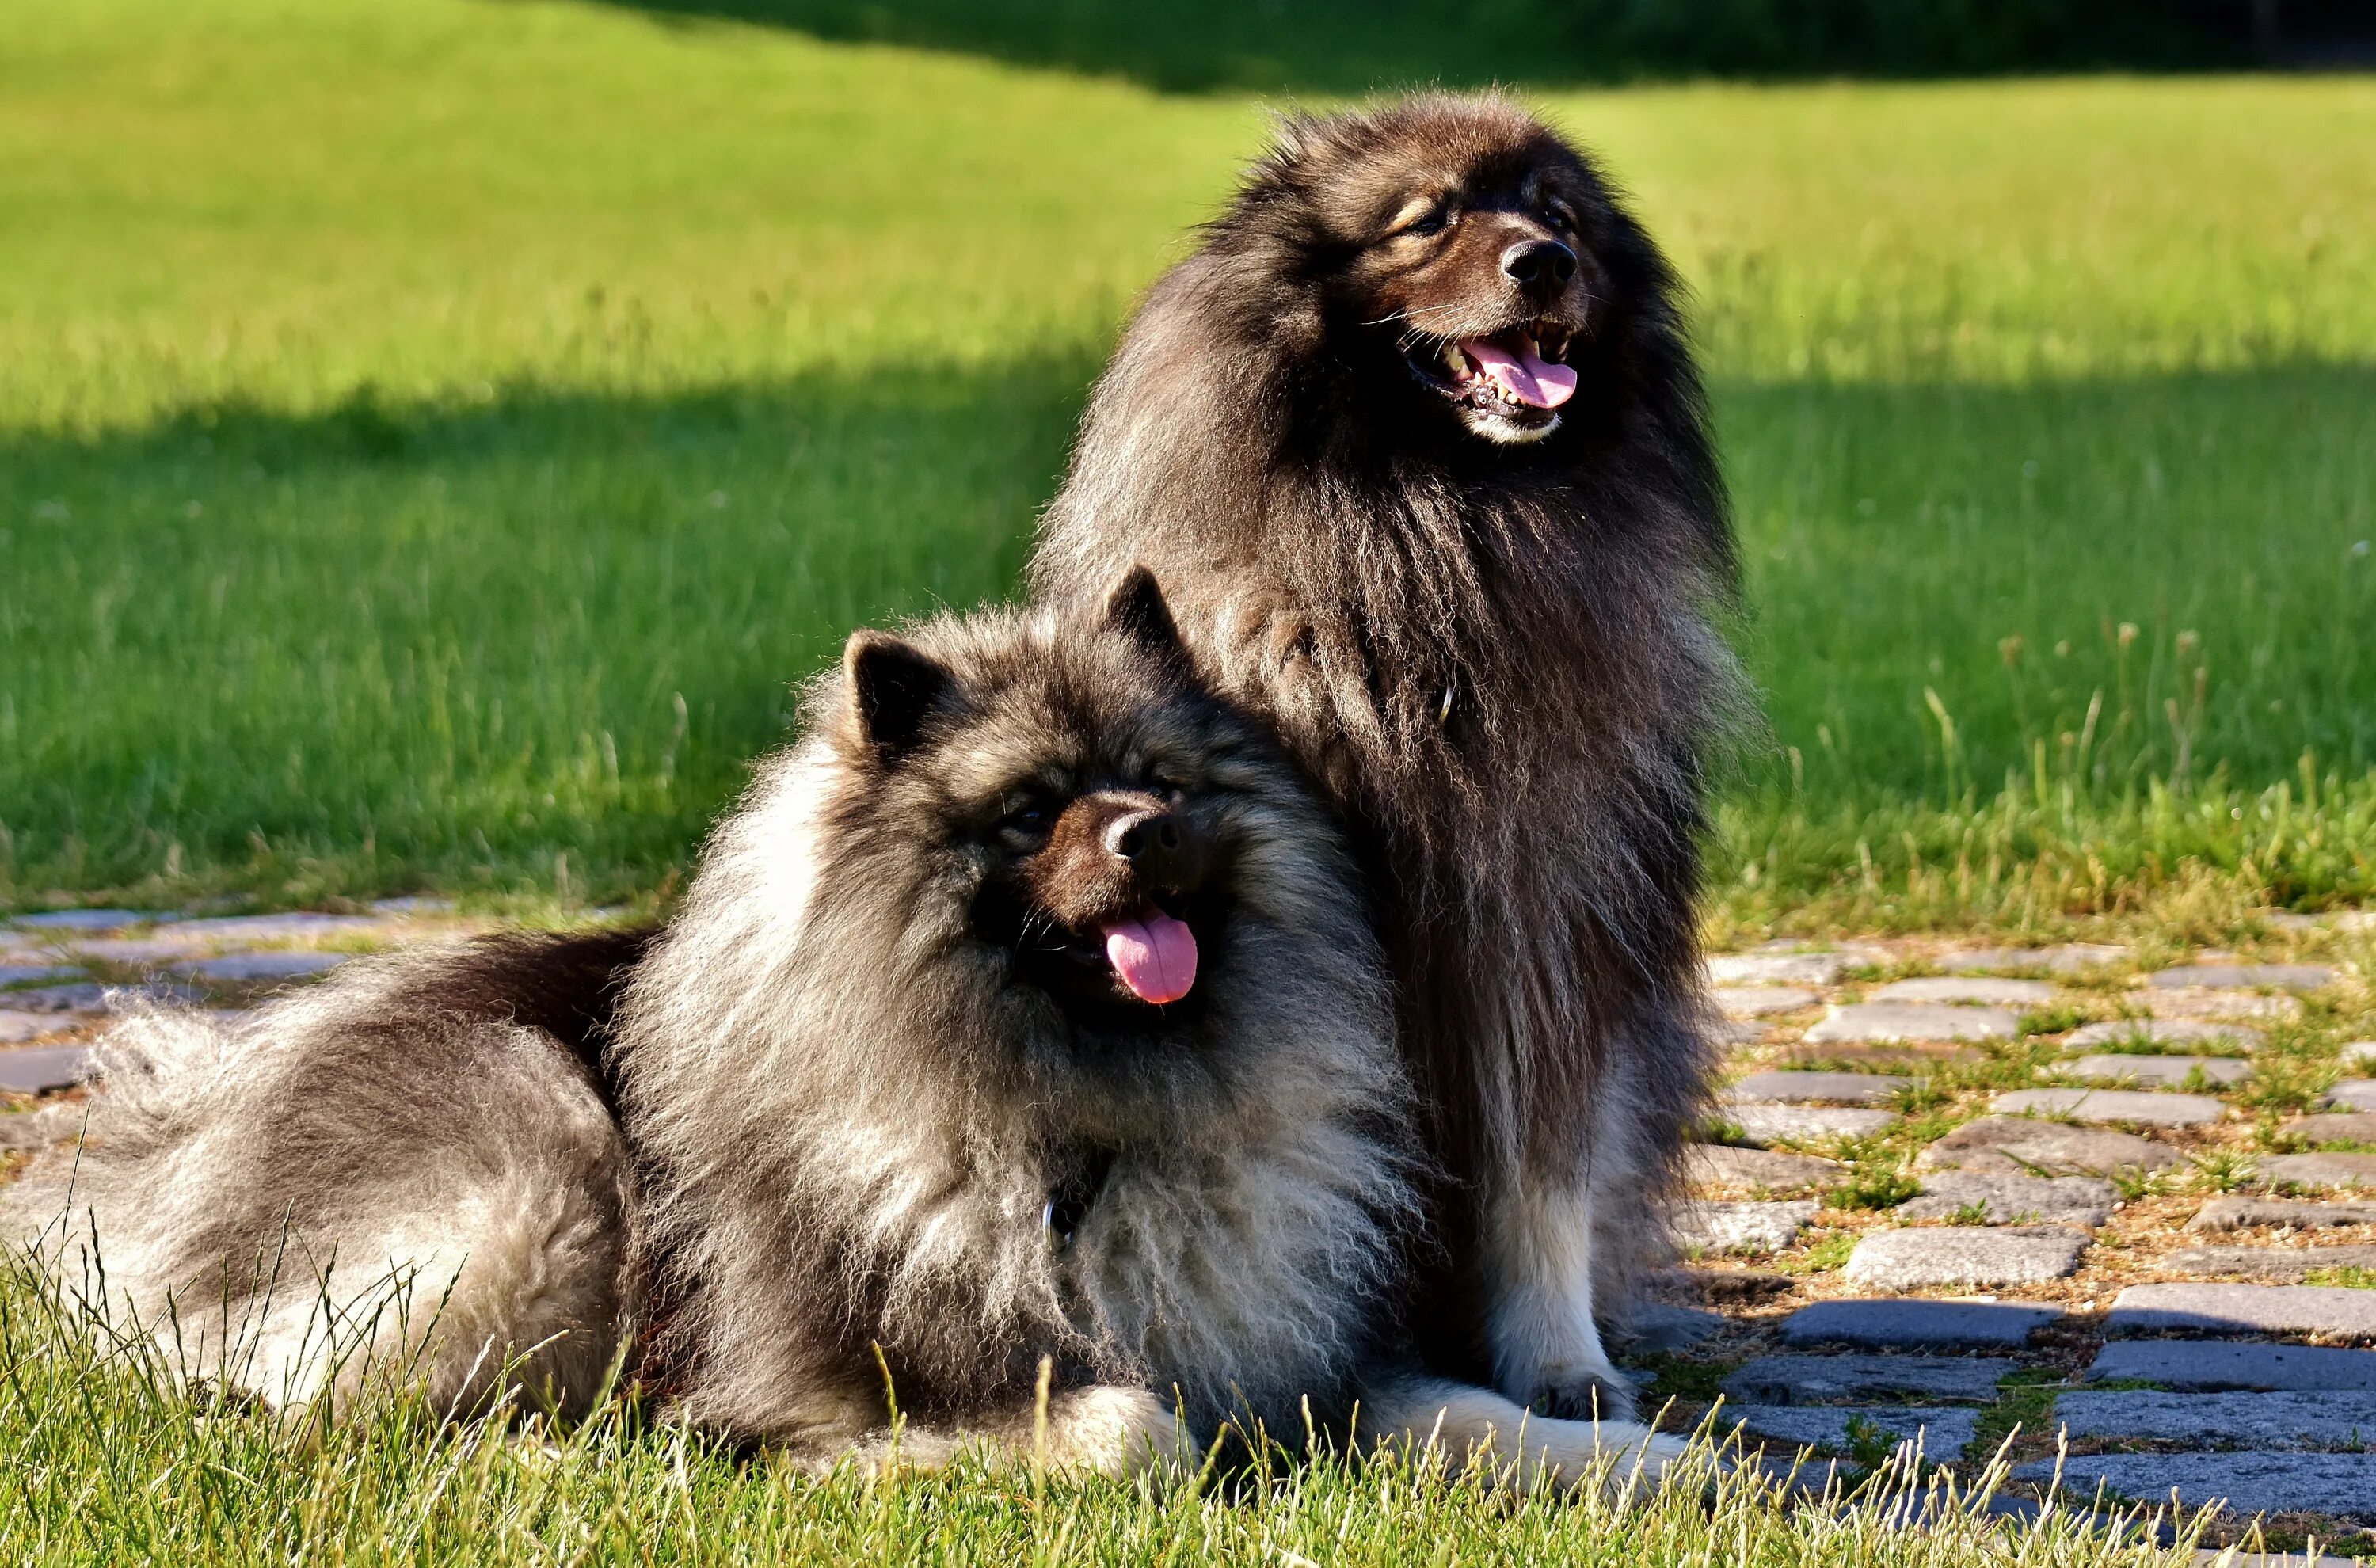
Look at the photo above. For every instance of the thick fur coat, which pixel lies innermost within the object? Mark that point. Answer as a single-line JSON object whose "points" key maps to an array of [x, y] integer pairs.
{"points": [[1414, 443], [886, 1112]]}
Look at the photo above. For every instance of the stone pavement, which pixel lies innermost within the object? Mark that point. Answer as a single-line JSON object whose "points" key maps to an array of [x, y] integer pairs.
{"points": [[2120, 1198]]}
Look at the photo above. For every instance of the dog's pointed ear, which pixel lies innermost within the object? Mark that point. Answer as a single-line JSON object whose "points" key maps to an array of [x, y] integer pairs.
{"points": [[1135, 607], [892, 686]]}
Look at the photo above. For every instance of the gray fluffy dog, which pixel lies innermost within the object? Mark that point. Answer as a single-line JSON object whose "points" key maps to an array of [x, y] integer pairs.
{"points": [[1022, 1042]]}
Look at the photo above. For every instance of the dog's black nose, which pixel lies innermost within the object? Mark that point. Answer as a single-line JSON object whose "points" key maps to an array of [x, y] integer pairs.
{"points": [[1540, 267], [1142, 837]]}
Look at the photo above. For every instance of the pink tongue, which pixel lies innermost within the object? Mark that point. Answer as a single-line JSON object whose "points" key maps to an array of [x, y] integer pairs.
{"points": [[1533, 379], [1156, 956]]}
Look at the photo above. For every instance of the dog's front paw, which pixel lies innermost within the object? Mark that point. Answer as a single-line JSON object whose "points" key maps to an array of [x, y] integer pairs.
{"points": [[1583, 1393]]}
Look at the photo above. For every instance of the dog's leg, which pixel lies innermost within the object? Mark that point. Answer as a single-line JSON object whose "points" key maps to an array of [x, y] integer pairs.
{"points": [[1105, 1428], [1547, 1349], [1472, 1425]]}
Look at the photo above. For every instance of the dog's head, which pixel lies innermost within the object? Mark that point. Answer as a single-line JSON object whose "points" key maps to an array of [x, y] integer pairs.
{"points": [[1458, 248], [1103, 821]]}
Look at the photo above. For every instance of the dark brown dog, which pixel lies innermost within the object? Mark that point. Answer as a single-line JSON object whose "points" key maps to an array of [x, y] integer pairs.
{"points": [[1415, 444]]}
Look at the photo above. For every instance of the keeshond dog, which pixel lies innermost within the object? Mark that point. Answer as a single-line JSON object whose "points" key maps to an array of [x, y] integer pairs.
{"points": [[1415, 443], [1021, 1053]]}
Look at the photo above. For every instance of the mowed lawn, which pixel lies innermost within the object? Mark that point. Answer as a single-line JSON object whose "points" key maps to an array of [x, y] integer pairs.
{"points": [[436, 437]]}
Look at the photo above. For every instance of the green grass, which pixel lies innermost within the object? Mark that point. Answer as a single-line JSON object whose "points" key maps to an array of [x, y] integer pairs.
{"points": [[435, 435], [104, 1462]]}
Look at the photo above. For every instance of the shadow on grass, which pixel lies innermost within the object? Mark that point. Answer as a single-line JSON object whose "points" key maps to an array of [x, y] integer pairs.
{"points": [[535, 641], [1353, 46]]}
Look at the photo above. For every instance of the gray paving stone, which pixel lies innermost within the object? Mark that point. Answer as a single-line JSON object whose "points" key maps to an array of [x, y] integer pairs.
{"points": [[2213, 1365], [2320, 1169], [1798, 1088], [92, 920], [2071, 958], [1762, 1001], [18, 1027], [2328, 1418], [2282, 977], [2357, 1093], [1775, 969], [1989, 993], [1944, 1434], [2012, 1200], [38, 1069], [1897, 1056], [278, 928], [88, 996], [1875, 1021], [39, 974], [1823, 1380], [1979, 1256], [2114, 1105], [263, 966], [2023, 1145], [2234, 1211], [2341, 1486], [1805, 1123], [2159, 1072], [2352, 1127], [135, 950], [2199, 1001], [2241, 1309], [1751, 1227], [2360, 1054], [414, 906], [2165, 1032], [1730, 1032], [1660, 1328], [1892, 1324], [1719, 1165], [2287, 1264]]}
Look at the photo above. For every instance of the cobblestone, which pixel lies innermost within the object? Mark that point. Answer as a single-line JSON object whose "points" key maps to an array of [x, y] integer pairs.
{"points": [[2009, 1200], [1892, 1323], [2213, 1366], [263, 966], [2022, 1146], [2358, 1054], [1823, 1380], [2165, 1032], [2353, 1128], [1761, 1001], [1775, 969], [2072, 959], [1805, 1123], [1977, 1255], [2114, 1105], [2288, 1263], [35, 974], [2241, 1309], [2196, 1001], [2282, 977], [17, 1028], [1747, 1227], [1719, 1165], [2320, 1169], [91, 920], [1798, 1088], [2162, 1072], [2328, 1418], [41, 1068], [1965, 988], [2339, 1485], [1943, 1433], [2357, 1093], [1883, 1021], [2232, 1211], [1899, 1056]]}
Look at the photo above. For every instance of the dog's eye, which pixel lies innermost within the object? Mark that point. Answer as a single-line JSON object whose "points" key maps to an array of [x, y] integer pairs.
{"points": [[1027, 820], [1427, 223], [1559, 218], [1164, 782]]}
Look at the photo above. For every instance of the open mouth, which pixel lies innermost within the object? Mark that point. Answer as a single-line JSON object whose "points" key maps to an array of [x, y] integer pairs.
{"points": [[1509, 384], [1147, 955]]}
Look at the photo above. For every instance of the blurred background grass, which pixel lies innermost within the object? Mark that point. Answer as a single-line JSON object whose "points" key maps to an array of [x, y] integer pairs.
{"points": [[433, 434]]}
